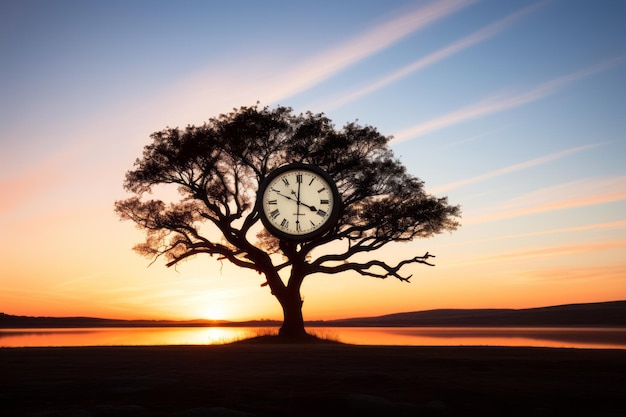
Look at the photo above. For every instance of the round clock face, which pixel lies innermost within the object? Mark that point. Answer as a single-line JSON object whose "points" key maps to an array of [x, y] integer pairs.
{"points": [[298, 202]]}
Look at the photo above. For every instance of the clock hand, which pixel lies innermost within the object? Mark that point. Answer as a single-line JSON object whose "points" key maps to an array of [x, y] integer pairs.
{"points": [[283, 195], [312, 208], [298, 207]]}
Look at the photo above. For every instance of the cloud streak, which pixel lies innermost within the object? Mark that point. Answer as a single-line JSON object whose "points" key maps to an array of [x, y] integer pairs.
{"points": [[502, 102], [584, 228], [565, 196], [323, 66], [458, 46], [586, 247], [611, 272], [255, 77], [513, 168]]}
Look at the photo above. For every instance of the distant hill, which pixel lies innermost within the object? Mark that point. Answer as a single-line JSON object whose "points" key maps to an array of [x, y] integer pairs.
{"points": [[605, 314], [591, 314]]}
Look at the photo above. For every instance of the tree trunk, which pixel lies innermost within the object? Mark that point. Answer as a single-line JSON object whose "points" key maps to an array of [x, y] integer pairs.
{"points": [[293, 321]]}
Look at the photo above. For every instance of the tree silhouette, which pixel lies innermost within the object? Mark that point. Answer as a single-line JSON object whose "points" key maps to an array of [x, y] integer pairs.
{"points": [[218, 167]]}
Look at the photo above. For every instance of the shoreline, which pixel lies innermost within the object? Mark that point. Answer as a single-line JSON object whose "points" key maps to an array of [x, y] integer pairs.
{"points": [[329, 379]]}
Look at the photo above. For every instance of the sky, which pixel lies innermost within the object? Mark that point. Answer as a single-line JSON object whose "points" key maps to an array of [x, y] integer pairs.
{"points": [[514, 110]]}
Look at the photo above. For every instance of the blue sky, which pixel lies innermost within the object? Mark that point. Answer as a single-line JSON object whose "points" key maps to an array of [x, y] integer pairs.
{"points": [[514, 110]]}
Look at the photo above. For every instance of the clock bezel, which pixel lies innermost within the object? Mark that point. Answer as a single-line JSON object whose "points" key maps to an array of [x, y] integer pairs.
{"points": [[324, 228]]}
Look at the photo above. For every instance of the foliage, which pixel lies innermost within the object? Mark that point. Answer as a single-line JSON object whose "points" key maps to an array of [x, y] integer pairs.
{"points": [[218, 166]]}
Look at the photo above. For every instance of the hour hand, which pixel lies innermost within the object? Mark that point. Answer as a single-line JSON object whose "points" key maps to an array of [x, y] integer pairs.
{"points": [[312, 208]]}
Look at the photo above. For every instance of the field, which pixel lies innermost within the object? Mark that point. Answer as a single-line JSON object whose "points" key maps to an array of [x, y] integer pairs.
{"points": [[325, 379]]}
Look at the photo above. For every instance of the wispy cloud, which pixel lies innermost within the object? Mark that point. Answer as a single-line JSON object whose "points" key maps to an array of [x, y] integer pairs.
{"points": [[578, 193], [584, 228], [458, 46], [512, 168], [474, 137], [270, 79], [502, 102], [586, 247], [325, 65], [612, 272]]}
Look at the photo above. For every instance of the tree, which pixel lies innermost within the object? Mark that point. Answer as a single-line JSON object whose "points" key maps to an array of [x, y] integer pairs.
{"points": [[218, 167]]}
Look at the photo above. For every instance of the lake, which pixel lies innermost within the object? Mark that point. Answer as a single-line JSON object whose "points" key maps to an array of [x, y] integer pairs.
{"points": [[613, 338]]}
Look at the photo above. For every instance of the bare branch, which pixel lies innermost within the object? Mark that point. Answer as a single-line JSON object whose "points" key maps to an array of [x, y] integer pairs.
{"points": [[366, 269]]}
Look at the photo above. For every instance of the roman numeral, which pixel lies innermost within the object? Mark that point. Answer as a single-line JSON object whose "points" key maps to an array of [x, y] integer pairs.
{"points": [[312, 181], [284, 223], [271, 202], [274, 214], [324, 202], [285, 181], [299, 178], [321, 189], [321, 213]]}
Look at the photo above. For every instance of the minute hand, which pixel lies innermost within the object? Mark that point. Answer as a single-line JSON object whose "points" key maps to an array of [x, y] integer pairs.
{"points": [[284, 195], [312, 208]]}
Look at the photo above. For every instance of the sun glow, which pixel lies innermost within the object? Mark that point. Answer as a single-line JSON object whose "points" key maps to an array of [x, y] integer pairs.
{"points": [[214, 312]]}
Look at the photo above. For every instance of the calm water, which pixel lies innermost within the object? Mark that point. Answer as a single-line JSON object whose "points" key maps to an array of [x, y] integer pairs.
{"points": [[407, 336]]}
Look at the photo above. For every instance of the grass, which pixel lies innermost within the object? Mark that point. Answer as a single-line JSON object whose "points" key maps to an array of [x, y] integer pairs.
{"points": [[270, 336]]}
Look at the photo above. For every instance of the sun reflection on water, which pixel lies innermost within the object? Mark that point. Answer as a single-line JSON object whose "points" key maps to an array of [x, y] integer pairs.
{"points": [[401, 336]]}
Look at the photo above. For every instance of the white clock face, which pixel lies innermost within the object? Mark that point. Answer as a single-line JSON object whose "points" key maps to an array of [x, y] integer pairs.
{"points": [[299, 202]]}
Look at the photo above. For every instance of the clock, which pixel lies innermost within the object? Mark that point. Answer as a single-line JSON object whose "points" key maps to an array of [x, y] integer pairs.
{"points": [[298, 202]]}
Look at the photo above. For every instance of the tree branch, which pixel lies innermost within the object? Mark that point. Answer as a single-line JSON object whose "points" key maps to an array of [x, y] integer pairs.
{"points": [[366, 244], [365, 269]]}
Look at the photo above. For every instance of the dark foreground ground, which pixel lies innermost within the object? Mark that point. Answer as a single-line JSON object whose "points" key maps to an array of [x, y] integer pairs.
{"points": [[325, 379]]}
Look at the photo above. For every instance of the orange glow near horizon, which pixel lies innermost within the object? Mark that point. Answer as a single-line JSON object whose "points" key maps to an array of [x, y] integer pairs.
{"points": [[92, 284], [205, 288]]}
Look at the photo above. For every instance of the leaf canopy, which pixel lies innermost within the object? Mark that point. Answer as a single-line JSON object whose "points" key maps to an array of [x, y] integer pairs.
{"points": [[218, 167]]}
